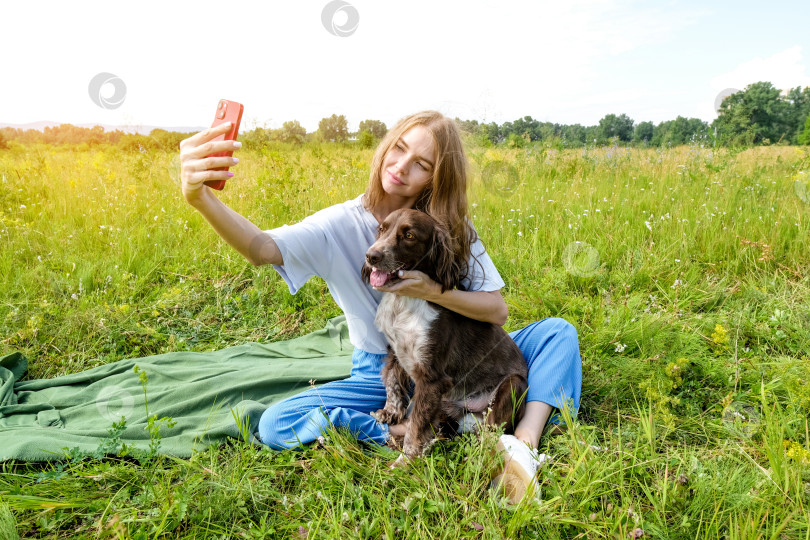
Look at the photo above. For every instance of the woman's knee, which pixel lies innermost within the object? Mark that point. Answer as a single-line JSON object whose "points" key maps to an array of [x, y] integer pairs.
{"points": [[562, 328], [548, 330]]}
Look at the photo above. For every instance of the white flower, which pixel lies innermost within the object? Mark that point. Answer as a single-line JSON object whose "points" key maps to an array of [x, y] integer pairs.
{"points": [[620, 347], [678, 283], [647, 223]]}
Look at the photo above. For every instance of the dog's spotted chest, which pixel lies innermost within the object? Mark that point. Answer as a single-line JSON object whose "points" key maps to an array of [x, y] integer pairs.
{"points": [[406, 323]]}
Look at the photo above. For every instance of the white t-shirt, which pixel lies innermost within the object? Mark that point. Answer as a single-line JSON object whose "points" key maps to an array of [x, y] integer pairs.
{"points": [[332, 245]]}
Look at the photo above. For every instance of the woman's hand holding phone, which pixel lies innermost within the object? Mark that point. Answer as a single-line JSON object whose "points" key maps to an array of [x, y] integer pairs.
{"points": [[198, 166]]}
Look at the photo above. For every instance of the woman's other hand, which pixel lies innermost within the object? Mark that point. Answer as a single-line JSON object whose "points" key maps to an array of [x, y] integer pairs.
{"points": [[413, 283]]}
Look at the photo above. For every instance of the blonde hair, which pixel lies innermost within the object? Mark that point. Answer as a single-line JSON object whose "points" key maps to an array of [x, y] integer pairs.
{"points": [[445, 197]]}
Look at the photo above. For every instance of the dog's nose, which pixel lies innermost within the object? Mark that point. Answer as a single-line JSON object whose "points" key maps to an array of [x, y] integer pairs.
{"points": [[373, 256]]}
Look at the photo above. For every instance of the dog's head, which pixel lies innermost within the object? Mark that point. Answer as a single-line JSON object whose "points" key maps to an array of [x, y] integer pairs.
{"points": [[411, 240]]}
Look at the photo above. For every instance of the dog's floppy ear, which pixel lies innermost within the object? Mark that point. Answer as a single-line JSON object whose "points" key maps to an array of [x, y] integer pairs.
{"points": [[444, 258]]}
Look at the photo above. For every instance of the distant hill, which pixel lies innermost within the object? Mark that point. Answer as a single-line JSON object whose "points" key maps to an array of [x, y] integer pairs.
{"points": [[143, 130]]}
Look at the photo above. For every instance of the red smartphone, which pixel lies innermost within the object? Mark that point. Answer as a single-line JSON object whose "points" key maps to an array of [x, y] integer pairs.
{"points": [[227, 111]]}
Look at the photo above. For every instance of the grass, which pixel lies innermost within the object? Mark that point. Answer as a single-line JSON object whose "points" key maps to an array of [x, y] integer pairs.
{"points": [[683, 269]]}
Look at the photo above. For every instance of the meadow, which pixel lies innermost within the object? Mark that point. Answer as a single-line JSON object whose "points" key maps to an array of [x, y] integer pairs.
{"points": [[683, 269]]}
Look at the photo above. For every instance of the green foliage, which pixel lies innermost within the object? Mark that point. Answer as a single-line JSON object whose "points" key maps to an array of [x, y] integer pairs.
{"points": [[799, 110], [293, 132], [366, 139], [516, 141], [643, 132], [576, 135], [468, 127], [335, 128], [611, 126], [8, 525], [804, 137], [756, 115], [168, 140], [375, 127], [679, 131], [490, 134]]}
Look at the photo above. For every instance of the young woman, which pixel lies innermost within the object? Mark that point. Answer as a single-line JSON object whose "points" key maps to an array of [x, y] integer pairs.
{"points": [[420, 163]]}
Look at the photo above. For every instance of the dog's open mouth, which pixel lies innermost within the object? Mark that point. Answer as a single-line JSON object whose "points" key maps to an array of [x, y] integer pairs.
{"points": [[379, 278]]}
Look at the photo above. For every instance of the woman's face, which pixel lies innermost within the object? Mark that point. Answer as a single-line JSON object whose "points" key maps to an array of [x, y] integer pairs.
{"points": [[408, 165]]}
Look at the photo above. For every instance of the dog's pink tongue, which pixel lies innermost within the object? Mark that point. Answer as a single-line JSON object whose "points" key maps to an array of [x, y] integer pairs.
{"points": [[378, 278]]}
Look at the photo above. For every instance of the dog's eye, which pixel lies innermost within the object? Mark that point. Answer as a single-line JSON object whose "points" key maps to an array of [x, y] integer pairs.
{"points": [[409, 235]]}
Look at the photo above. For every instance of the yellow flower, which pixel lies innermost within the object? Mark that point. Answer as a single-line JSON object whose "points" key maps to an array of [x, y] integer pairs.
{"points": [[720, 339], [797, 453]]}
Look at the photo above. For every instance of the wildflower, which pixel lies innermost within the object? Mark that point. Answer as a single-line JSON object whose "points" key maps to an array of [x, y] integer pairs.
{"points": [[720, 339], [678, 283], [620, 347], [796, 453]]}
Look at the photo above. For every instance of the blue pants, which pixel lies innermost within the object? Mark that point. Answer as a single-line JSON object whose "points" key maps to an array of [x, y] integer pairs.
{"points": [[550, 346]]}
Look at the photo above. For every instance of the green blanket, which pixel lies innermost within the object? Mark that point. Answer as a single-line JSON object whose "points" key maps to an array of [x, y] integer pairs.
{"points": [[200, 391]]}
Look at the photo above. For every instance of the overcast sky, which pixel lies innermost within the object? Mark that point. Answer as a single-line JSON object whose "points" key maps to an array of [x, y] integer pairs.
{"points": [[490, 60]]}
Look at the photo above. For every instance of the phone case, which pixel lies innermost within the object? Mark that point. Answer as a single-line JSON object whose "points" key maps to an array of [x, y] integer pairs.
{"points": [[227, 111]]}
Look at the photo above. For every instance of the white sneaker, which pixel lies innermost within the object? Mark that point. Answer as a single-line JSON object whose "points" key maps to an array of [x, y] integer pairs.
{"points": [[520, 464]]}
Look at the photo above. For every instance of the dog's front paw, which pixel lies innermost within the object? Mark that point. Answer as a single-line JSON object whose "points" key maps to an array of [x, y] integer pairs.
{"points": [[387, 416]]}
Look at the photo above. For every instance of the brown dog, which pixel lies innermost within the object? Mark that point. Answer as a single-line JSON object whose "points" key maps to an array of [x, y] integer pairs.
{"points": [[457, 364]]}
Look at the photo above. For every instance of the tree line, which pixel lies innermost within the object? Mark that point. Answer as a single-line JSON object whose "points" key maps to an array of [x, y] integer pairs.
{"points": [[758, 115]]}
